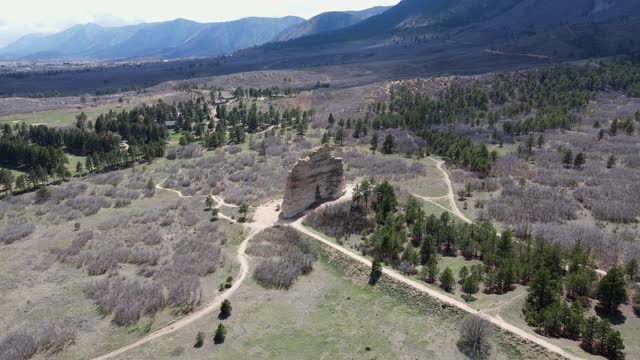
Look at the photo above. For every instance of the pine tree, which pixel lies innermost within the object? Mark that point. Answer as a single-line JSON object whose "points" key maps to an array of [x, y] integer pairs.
{"points": [[199, 340], [225, 309], [470, 286], [579, 161], [325, 137], [331, 120], [615, 346], [567, 158], [374, 143], [612, 290], [447, 281], [389, 144], [208, 202], [220, 335], [632, 269], [589, 333], [150, 184], [432, 269], [611, 161]]}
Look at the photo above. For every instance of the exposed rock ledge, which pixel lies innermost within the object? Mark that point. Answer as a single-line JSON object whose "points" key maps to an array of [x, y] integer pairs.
{"points": [[314, 179]]}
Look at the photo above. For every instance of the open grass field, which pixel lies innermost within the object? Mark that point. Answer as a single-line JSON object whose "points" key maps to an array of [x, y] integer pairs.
{"points": [[324, 316], [64, 116]]}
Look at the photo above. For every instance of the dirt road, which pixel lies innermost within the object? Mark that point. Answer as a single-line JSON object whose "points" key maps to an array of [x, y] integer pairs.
{"points": [[498, 321], [214, 304], [266, 216]]}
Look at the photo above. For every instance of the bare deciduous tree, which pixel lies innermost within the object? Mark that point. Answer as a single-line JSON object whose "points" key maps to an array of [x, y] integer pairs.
{"points": [[475, 334]]}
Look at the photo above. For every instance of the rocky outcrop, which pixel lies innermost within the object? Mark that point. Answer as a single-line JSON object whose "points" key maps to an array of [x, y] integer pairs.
{"points": [[314, 179]]}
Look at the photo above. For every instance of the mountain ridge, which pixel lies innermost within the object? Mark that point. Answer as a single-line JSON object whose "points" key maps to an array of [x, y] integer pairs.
{"points": [[159, 39], [329, 21]]}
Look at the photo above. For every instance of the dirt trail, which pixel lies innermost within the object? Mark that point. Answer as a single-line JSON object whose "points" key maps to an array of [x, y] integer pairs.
{"points": [[498, 321], [267, 215], [454, 209], [453, 206], [214, 304]]}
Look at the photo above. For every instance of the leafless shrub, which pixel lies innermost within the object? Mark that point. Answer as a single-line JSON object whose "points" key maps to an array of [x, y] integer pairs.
{"points": [[632, 161], [109, 178], [511, 165], [475, 334], [54, 337], [172, 154], [184, 294], [88, 205], [70, 254], [531, 204], [189, 151], [48, 338], [148, 216], [338, 221], [121, 203], [290, 255], [19, 345], [152, 237], [100, 264], [127, 300], [196, 256], [69, 191], [233, 149], [14, 232], [359, 164], [113, 222], [136, 182], [612, 199]]}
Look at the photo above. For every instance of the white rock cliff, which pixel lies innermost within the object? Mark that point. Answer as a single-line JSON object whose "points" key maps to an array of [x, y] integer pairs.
{"points": [[314, 179]]}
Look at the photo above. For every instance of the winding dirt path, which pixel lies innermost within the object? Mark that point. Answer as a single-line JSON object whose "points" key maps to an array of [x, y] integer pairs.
{"points": [[496, 320], [453, 206], [266, 215], [214, 304]]}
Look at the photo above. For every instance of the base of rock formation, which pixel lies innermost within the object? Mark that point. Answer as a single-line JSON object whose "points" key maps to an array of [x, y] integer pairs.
{"points": [[314, 179]]}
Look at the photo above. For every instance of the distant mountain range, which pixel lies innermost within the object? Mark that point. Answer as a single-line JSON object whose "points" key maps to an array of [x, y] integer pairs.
{"points": [[413, 38], [179, 38], [328, 21]]}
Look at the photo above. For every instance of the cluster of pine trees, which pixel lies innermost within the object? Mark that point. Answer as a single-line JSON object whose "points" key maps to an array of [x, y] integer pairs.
{"points": [[561, 282]]}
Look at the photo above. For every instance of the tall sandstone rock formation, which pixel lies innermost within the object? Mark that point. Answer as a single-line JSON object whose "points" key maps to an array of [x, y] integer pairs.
{"points": [[314, 179]]}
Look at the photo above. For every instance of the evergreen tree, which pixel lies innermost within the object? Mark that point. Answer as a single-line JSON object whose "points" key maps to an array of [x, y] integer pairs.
{"points": [[612, 290], [339, 137], [611, 161], [470, 286], [220, 335], [579, 161], [589, 333], [567, 158], [243, 209], [331, 120], [374, 143], [389, 144], [79, 168], [150, 184], [447, 281], [632, 269], [199, 340], [432, 269], [225, 309]]}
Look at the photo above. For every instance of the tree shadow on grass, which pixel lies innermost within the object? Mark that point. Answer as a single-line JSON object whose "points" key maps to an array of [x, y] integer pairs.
{"points": [[615, 318]]}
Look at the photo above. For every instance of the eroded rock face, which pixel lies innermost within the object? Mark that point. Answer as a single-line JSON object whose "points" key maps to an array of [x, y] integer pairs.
{"points": [[315, 178]]}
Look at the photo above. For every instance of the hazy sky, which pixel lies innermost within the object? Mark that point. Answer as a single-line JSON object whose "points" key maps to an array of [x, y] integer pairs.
{"points": [[20, 17]]}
